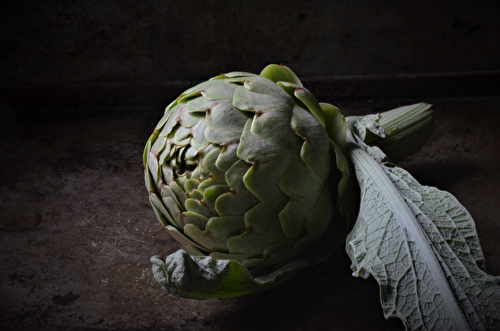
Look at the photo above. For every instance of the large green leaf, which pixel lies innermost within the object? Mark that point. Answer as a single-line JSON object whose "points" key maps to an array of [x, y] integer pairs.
{"points": [[421, 246]]}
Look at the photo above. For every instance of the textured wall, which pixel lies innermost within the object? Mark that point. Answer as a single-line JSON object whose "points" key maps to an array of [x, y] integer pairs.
{"points": [[87, 41]]}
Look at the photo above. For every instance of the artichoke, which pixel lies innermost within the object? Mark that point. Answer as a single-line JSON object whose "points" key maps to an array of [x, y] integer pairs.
{"points": [[247, 172]]}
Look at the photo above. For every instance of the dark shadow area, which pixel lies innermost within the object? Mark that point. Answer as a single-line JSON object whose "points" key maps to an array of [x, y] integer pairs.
{"points": [[324, 297], [442, 175]]}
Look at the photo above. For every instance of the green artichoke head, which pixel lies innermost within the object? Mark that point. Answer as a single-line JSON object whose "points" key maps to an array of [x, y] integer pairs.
{"points": [[247, 168]]}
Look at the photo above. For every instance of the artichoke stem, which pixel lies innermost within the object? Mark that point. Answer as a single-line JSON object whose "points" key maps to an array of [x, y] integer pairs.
{"points": [[399, 132]]}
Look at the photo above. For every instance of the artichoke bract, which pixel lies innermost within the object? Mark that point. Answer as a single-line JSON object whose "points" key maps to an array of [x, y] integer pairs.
{"points": [[246, 172]]}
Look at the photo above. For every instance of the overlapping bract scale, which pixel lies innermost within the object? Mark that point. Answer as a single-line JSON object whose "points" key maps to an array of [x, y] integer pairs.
{"points": [[239, 168]]}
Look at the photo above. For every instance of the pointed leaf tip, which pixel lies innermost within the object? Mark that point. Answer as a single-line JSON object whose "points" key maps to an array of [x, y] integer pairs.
{"points": [[280, 73]]}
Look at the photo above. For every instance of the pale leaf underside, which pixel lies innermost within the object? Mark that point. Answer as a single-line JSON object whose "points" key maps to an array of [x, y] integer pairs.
{"points": [[421, 246]]}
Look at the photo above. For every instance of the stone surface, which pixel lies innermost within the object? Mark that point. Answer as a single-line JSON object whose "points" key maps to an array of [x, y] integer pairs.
{"points": [[77, 230]]}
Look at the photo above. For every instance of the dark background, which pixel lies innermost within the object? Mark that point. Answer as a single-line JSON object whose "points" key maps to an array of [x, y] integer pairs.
{"points": [[83, 84], [116, 53], [157, 41]]}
